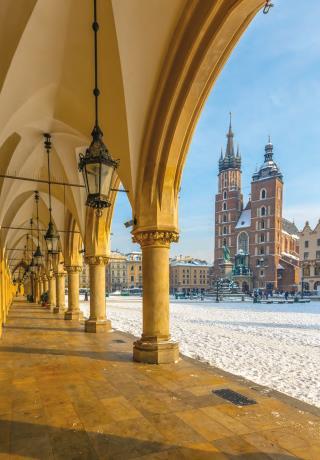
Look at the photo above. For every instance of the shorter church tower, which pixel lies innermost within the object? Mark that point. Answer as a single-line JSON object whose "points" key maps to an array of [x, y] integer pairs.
{"points": [[228, 201], [266, 222]]}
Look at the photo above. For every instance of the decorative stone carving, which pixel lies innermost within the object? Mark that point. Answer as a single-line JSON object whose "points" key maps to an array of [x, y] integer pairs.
{"points": [[60, 274], [96, 260], [73, 269], [155, 238]]}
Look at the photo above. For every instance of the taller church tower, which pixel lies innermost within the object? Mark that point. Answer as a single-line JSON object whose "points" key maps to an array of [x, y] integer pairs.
{"points": [[228, 201]]}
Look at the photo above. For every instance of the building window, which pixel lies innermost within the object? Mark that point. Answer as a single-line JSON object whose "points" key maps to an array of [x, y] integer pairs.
{"points": [[318, 241], [318, 255], [224, 195], [243, 243], [306, 255], [224, 206], [225, 218], [306, 244], [132, 278], [224, 242], [262, 225], [261, 272], [263, 194], [263, 211], [262, 238], [306, 271], [261, 251], [224, 230], [317, 270]]}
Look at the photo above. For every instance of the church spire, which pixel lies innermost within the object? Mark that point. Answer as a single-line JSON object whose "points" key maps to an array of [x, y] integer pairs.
{"points": [[230, 135], [229, 160]]}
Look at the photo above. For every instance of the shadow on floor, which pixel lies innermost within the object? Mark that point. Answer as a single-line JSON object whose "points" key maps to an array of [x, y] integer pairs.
{"points": [[54, 329], [55, 318], [99, 355], [42, 441]]}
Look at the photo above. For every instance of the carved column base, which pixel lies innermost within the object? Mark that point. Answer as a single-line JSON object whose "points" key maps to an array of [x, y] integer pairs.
{"points": [[152, 351], [73, 315], [95, 326], [58, 310]]}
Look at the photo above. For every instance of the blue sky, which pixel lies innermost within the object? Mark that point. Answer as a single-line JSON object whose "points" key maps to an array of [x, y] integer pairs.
{"points": [[271, 84]]}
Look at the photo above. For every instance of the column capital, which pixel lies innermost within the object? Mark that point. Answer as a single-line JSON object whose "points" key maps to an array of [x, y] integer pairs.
{"points": [[155, 238], [73, 268], [60, 274], [96, 260]]}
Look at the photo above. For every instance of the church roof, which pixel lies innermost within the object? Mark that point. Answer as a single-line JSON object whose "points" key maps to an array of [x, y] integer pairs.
{"points": [[230, 160], [244, 219], [269, 168], [289, 227]]}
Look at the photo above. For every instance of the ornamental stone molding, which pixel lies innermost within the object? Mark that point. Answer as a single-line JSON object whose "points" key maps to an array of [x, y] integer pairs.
{"points": [[96, 260], [73, 268], [155, 238], [59, 274]]}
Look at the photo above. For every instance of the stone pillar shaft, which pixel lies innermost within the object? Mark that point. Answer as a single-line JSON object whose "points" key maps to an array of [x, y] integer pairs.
{"points": [[97, 321], [52, 292], [60, 293], [73, 311], [155, 345]]}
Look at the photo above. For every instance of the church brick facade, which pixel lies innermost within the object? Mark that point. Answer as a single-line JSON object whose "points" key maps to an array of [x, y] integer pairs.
{"points": [[264, 247]]}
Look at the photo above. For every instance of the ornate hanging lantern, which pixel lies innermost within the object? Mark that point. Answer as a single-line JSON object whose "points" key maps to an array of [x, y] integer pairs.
{"points": [[51, 237], [97, 165], [37, 256]]}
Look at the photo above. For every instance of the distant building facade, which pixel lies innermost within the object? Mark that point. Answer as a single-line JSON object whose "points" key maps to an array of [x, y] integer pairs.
{"points": [[263, 246], [134, 270], [124, 271], [188, 275], [116, 272], [310, 257]]}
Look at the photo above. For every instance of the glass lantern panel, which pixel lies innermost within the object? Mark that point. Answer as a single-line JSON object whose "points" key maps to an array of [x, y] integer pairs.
{"points": [[106, 177], [93, 174]]}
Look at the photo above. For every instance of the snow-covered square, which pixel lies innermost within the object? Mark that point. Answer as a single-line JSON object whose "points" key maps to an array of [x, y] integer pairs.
{"points": [[273, 345]]}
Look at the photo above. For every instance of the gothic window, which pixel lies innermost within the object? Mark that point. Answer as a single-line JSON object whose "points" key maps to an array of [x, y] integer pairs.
{"points": [[225, 218], [262, 238], [224, 206], [224, 195], [306, 244], [243, 243], [263, 194], [224, 242], [261, 251], [262, 225], [263, 211], [224, 230]]}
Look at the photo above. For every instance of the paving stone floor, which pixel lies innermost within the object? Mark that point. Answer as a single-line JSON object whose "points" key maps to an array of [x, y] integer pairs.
{"points": [[65, 394]]}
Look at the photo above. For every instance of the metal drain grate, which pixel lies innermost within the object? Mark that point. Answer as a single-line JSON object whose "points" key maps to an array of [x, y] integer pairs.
{"points": [[234, 397], [118, 341]]}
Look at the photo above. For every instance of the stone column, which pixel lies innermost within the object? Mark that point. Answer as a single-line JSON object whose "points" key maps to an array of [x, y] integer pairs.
{"points": [[155, 345], [52, 292], [41, 285], [37, 290], [73, 311], [45, 284], [97, 321], [60, 295]]}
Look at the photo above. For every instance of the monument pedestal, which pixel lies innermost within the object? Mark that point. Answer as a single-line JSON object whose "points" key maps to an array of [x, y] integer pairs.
{"points": [[226, 269]]}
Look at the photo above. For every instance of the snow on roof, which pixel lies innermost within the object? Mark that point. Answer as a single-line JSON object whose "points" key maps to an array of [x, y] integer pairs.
{"points": [[291, 256], [192, 263], [244, 219]]}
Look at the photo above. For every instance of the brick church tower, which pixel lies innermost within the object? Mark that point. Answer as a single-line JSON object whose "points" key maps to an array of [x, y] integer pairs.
{"points": [[228, 201], [266, 221]]}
